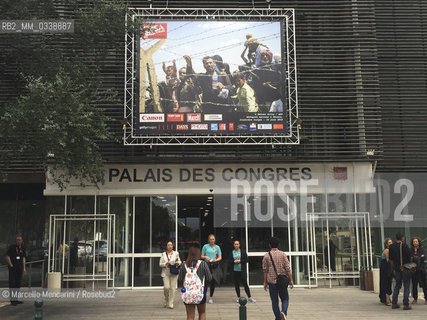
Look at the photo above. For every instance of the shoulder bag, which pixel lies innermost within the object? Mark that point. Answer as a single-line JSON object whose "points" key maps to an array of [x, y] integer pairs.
{"points": [[172, 268], [282, 281], [409, 268]]}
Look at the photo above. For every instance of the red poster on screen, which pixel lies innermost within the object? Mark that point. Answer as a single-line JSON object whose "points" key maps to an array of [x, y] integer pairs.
{"points": [[154, 30]]}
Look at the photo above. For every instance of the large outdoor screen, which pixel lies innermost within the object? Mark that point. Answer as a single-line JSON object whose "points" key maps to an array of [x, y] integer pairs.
{"points": [[196, 77]]}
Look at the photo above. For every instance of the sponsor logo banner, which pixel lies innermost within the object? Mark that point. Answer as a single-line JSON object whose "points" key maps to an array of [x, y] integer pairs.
{"points": [[242, 127], [213, 117], [194, 117], [222, 127], [252, 126], [199, 126], [214, 126], [152, 117], [265, 126], [278, 126], [175, 117], [165, 127], [231, 126], [148, 127], [154, 30], [182, 127]]}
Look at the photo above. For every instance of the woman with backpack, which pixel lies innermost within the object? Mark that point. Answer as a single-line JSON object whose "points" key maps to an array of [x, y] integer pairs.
{"points": [[169, 262], [212, 254], [194, 275]]}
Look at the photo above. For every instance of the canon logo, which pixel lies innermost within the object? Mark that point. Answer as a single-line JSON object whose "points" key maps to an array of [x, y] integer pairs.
{"points": [[152, 117]]}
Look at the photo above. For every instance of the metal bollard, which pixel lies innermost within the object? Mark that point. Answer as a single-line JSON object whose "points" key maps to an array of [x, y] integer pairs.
{"points": [[242, 308], [38, 315]]}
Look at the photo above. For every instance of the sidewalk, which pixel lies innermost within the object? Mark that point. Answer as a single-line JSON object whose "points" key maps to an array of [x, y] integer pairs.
{"points": [[319, 303]]}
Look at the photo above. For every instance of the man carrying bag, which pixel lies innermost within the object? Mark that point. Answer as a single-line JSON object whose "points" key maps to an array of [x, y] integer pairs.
{"points": [[277, 277], [400, 256]]}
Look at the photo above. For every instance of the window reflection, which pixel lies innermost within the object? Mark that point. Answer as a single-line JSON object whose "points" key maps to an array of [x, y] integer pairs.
{"points": [[81, 204], [154, 223], [122, 208], [147, 272]]}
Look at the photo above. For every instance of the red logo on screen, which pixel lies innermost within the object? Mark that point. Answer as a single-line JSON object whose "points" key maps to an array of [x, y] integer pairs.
{"points": [[175, 117], [278, 126], [222, 126], [165, 127], [152, 117], [154, 30], [182, 127], [231, 126], [194, 117]]}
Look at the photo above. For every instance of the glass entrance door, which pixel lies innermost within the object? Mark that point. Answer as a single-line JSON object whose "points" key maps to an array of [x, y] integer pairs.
{"points": [[80, 246], [196, 223], [342, 247]]}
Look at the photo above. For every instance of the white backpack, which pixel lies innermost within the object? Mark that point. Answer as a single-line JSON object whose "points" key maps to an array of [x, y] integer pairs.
{"points": [[194, 288]]}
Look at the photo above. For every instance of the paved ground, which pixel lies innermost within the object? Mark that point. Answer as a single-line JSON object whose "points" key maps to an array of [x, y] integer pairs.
{"points": [[320, 303]]}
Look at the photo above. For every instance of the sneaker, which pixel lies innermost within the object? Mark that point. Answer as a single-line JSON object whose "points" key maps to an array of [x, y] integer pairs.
{"points": [[414, 302], [170, 307], [282, 316], [165, 304], [237, 300], [407, 308], [395, 306], [250, 299], [210, 300]]}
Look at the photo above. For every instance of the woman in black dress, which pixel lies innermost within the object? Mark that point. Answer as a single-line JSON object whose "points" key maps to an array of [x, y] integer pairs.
{"points": [[419, 277], [386, 274]]}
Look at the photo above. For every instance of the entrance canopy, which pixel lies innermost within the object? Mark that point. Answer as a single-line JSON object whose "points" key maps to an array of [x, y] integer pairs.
{"points": [[192, 179]]}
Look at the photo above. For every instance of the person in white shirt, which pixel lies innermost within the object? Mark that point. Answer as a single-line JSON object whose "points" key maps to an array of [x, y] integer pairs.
{"points": [[169, 258]]}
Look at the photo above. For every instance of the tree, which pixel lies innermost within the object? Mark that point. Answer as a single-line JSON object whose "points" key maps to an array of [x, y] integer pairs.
{"points": [[54, 113]]}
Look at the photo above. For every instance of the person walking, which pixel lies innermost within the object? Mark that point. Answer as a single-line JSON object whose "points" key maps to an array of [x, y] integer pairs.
{"points": [[195, 263], [419, 277], [276, 263], [239, 271], [16, 259], [386, 274], [399, 254], [169, 262], [212, 254]]}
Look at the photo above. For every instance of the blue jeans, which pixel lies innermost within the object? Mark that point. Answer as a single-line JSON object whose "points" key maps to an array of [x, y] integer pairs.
{"points": [[400, 277], [274, 296]]}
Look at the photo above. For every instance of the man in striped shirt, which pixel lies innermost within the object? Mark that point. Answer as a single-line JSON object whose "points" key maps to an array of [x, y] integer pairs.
{"points": [[270, 278]]}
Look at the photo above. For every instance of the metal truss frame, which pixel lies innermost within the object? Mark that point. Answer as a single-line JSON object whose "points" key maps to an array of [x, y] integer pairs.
{"points": [[289, 46]]}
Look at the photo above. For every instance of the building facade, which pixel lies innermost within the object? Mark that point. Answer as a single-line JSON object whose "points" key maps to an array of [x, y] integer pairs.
{"points": [[355, 178]]}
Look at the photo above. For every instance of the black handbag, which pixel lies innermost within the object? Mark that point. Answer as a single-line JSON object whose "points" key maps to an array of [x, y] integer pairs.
{"points": [[174, 269], [409, 268], [283, 280]]}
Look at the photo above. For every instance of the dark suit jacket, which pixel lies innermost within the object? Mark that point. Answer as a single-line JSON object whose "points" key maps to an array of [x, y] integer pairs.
{"points": [[210, 96], [394, 253], [418, 259]]}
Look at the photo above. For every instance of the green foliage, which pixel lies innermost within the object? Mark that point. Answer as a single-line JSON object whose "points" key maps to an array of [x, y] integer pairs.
{"points": [[56, 113]]}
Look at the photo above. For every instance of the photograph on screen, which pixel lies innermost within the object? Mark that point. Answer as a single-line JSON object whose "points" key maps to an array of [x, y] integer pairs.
{"points": [[223, 77]]}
